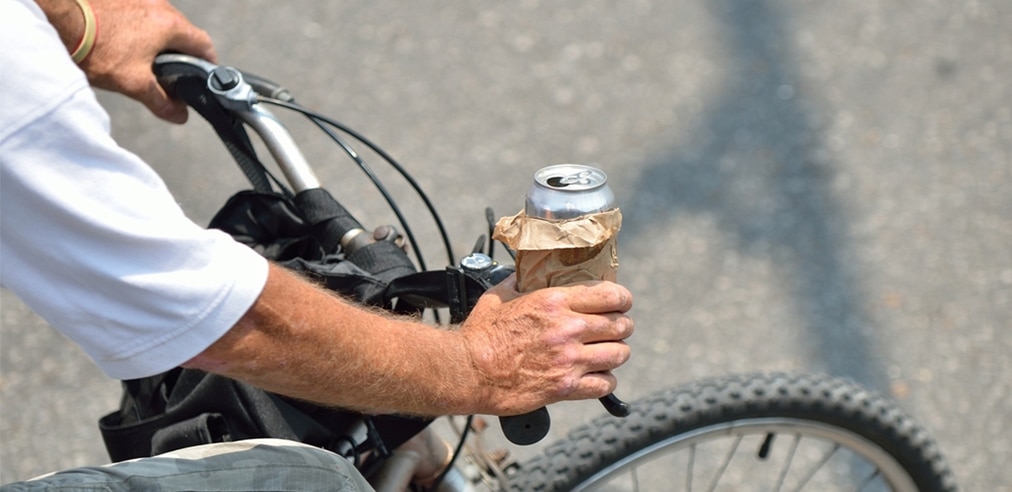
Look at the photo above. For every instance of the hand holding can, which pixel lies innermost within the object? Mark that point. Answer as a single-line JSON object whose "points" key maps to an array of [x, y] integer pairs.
{"points": [[566, 233]]}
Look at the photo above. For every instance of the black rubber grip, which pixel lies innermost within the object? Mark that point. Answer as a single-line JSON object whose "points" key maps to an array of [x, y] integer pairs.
{"points": [[528, 428]]}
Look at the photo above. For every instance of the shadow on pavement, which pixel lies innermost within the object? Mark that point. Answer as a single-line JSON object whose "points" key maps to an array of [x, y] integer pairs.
{"points": [[757, 164]]}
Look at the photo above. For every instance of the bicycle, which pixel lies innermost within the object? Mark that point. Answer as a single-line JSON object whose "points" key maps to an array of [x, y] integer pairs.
{"points": [[741, 432]]}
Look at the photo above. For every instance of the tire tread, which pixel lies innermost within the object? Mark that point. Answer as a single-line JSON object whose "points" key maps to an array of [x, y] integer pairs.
{"points": [[831, 400]]}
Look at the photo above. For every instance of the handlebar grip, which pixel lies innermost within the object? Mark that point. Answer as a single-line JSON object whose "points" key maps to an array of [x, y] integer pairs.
{"points": [[532, 427], [526, 429], [169, 69]]}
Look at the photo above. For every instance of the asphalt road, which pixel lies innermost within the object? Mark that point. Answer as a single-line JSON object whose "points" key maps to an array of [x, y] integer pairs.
{"points": [[806, 186]]}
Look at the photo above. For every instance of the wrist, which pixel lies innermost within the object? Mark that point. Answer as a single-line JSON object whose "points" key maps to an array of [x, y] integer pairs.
{"points": [[66, 18], [475, 385], [75, 23]]}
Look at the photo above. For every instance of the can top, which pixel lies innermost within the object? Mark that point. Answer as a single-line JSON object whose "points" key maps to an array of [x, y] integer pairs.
{"points": [[567, 191], [570, 177]]}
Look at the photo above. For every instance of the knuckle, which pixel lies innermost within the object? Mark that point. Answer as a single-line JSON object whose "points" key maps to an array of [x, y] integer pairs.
{"points": [[604, 384], [551, 299], [616, 357], [623, 355], [568, 386], [615, 297], [625, 299], [568, 358], [626, 327]]}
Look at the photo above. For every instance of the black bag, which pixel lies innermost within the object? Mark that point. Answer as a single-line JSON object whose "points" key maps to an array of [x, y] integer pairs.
{"points": [[186, 407], [270, 224]]}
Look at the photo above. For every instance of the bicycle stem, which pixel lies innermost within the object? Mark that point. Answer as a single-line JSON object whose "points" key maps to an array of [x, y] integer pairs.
{"points": [[235, 93], [279, 142], [328, 217]]}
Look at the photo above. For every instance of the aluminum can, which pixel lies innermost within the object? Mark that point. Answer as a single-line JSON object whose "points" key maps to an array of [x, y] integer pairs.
{"points": [[567, 191]]}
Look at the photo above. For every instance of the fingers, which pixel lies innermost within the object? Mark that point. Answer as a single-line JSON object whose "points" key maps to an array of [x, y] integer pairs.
{"points": [[594, 378], [548, 345], [598, 297], [138, 82], [605, 327], [192, 40], [185, 38], [602, 357], [161, 105], [504, 291], [594, 385]]}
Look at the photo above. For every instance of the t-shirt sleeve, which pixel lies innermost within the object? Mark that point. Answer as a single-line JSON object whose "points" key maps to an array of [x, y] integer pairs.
{"points": [[92, 240]]}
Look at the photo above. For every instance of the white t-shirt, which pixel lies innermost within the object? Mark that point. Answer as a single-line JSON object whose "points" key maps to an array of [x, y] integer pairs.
{"points": [[91, 238]]}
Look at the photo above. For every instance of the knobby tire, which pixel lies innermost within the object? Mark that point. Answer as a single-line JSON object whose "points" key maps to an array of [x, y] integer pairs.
{"points": [[777, 409]]}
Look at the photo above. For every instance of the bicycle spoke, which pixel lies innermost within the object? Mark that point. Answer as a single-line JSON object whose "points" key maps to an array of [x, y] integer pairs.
{"points": [[727, 461], [692, 463], [779, 453], [871, 478], [788, 462], [815, 469]]}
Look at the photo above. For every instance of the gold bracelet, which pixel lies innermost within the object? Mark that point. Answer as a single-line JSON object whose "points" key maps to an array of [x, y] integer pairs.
{"points": [[90, 29]]}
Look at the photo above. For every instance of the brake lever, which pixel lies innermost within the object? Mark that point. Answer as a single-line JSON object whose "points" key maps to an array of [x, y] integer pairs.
{"points": [[615, 406]]}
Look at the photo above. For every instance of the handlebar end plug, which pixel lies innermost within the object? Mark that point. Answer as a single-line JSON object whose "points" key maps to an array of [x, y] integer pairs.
{"points": [[223, 79], [526, 429], [230, 87]]}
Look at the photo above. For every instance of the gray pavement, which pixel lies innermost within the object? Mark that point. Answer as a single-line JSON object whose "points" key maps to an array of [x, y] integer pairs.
{"points": [[806, 186]]}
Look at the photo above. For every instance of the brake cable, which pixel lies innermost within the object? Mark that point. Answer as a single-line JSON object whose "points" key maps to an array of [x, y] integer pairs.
{"points": [[322, 121]]}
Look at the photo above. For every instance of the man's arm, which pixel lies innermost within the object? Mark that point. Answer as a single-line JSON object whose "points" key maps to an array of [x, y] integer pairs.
{"points": [[514, 353], [131, 33]]}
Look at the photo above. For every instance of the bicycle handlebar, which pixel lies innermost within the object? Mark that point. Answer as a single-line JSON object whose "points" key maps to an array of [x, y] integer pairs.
{"points": [[238, 92]]}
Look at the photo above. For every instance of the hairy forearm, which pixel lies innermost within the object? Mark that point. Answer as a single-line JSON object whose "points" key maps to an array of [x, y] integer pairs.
{"points": [[304, 342], [513, 354]]}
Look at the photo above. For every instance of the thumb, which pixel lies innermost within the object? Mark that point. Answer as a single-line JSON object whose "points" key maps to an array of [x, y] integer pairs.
{"points": [[504, 291]]}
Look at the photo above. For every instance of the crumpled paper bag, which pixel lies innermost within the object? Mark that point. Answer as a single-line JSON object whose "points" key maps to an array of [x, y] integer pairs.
{"points": [[558, 252]]}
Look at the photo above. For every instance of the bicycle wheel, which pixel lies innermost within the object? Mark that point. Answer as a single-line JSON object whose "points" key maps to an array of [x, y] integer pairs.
{"points": [[767, 432]]}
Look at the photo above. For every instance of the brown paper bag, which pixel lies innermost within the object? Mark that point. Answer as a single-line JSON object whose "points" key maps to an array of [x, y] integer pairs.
{"points": [[558, 252]]}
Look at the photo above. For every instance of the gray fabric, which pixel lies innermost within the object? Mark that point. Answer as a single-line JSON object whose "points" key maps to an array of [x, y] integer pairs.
{"points": [[256, 465]]}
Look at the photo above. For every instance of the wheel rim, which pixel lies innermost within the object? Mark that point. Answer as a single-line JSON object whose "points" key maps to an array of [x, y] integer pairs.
{"points": [[793, 454]]}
